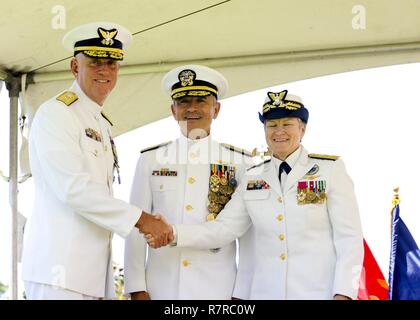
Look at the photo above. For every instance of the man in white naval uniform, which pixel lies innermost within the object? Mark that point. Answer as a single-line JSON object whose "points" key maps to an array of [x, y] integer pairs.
{"points": [[67, 248], [188, 181], [309, 242]]}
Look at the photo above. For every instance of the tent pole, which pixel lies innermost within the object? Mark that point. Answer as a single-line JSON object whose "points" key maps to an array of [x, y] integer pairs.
{"points": [[13, 85]]}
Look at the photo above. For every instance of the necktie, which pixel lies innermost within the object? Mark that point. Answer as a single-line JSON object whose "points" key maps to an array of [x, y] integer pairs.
{"points": [[284, 167]]}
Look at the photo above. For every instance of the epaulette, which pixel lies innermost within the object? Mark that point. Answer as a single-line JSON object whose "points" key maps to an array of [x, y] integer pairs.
{"points": [[259, 164], [233, 148], [67, 97], [155, 147], [106, 118], [323, 156]]}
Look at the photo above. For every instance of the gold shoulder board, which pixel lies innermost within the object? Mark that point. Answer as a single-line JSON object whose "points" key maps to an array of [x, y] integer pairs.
{"points": [[233, 148], [155, 147], [67, 97], [323, 156]]}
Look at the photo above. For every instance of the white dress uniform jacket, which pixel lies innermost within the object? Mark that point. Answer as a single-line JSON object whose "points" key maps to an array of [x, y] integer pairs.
{"points": [[182, 197], [68, 240], [303, 251]]}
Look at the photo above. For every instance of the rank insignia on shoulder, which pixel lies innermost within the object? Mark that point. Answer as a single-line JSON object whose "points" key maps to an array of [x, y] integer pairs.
{"points": [[236, 149], [323, 156], [155, 147], [257, 185], [164, 172], [95, 135], [67, 97]]}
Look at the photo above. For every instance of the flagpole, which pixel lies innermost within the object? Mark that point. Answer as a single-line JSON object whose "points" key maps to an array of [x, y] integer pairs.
{"points": [[395, 202]]}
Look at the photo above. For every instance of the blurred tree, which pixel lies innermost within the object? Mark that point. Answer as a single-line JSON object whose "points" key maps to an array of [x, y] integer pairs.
{"points": [[3, 288], [119, 282]]}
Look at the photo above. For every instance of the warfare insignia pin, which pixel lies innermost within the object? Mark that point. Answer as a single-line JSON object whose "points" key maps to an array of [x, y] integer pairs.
{"points": [[313, 170]]}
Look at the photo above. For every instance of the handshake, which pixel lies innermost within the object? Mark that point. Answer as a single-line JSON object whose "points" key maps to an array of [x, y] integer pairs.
{"points": [[156, 230]]}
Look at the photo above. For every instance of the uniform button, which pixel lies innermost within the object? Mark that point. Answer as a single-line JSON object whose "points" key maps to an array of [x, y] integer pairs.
{"points": [[97, 117], [185, 263], [280, 217], [193, 155], [161, 187], [283, 256], [96, 152], [279, 199], [191, 180], [188, 207], [106, 148], [281, 237]]}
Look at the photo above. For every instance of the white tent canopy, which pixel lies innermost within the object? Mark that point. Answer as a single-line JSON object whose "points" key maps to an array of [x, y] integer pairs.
{"points": [[255, 44]]}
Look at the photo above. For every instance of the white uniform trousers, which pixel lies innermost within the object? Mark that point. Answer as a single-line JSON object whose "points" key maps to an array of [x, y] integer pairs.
{"points": [[41, 291]]}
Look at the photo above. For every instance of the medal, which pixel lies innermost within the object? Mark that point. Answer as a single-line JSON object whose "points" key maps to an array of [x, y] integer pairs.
{"points": [[222, 184], [211, 217], [223, 190], [230, 190], [233, 183], [214, 188], [214, 179], [310, 196], [223, 181], [212, 197]]}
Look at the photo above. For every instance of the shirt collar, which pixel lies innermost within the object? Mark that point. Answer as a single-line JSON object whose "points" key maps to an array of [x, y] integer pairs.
{"points": [[203, 141], [87, 103], [291, 159]]}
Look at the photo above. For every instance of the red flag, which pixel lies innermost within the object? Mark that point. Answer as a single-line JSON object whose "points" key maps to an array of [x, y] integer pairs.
{"points": [[373, 285]]}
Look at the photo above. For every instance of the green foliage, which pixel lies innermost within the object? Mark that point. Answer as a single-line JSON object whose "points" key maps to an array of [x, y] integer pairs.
{"points": [[3, 288], [119, 282]]}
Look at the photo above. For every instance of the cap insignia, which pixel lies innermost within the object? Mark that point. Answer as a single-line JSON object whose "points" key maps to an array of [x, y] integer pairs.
{"points": [[277, 100], [107, 36], [187, 77]]}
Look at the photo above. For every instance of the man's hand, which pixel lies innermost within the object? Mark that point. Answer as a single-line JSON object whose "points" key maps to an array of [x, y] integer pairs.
{"points": [[141, 295], [156, 227], [152, 241]]}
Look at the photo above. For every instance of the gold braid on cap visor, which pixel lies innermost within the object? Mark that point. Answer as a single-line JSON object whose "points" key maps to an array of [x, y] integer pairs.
{"points": [[192, 91], [101, 52], [286, 104]]}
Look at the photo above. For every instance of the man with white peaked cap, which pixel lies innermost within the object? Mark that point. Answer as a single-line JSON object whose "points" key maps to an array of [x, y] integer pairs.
{"points": [[67, 247], [189, 180], [309, 242]]}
